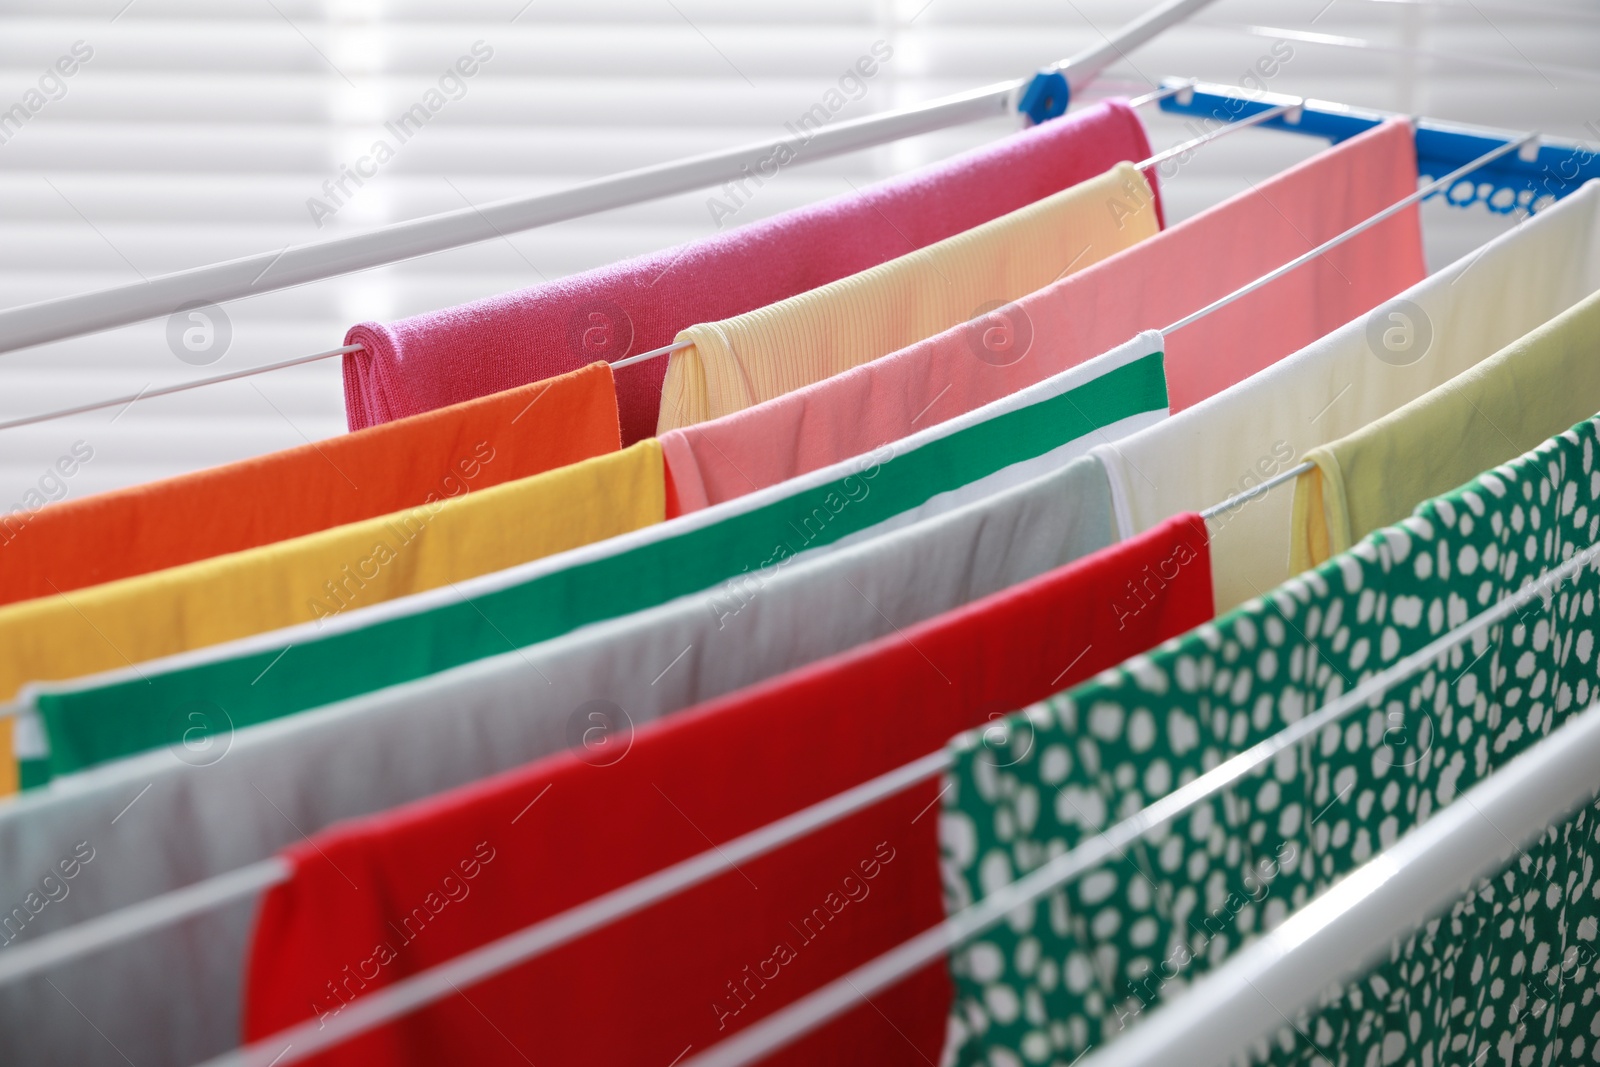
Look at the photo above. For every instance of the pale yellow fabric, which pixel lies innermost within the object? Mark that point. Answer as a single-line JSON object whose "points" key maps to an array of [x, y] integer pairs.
{"points": [[742, 361], [319, 575], [1490, 414]]}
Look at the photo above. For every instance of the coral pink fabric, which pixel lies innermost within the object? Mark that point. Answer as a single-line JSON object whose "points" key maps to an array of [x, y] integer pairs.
{"points": [[462, 352], [1148, 286], [376, 900]]}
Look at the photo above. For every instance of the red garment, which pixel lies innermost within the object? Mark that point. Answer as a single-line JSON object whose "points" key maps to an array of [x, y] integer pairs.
{"points": [[551, 835], [457, 353]]}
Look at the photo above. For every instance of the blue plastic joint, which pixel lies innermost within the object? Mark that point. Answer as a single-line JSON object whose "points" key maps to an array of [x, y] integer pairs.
{"points": [[1046, 97]]}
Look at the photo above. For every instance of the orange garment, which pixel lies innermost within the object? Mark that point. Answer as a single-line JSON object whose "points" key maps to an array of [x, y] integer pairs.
{"points": [[401, 464]]}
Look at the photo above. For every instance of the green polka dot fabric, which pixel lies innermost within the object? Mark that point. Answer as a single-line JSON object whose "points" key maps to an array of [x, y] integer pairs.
{"points": [[1069, 973], [1506, 976]]}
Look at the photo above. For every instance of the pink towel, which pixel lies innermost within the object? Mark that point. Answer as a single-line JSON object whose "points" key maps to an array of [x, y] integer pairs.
{"points": [[467, 351], [1148, 286]]}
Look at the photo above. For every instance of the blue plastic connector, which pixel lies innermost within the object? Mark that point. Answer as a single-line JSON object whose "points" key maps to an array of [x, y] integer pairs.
{"points": [[1046, 97]]}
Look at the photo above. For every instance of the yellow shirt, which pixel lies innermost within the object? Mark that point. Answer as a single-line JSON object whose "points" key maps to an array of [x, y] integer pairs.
{"points": [[742, 361], [324, 574], [1518, 398]]}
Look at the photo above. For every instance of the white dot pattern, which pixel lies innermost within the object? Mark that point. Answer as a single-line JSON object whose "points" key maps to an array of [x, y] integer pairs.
{"points": [[1506, 977]]}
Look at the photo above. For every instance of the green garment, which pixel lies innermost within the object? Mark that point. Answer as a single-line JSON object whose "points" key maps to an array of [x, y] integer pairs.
{"points": [[1487, 415], [1068, 973], [1515, 955], [211, 694]]}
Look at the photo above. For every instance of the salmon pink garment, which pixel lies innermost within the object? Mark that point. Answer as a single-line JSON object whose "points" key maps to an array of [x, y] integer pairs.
{"points": [[1149, 286], [304, 490], [457, 353], [378, 899]]}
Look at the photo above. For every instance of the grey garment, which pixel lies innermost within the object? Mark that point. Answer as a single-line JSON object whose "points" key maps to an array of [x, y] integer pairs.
{"points": [[174, 996]]}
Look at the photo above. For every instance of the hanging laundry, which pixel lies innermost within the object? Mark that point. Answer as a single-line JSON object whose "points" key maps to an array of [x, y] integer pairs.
{"points": [[1484, 416], [458, 353], [1074, 969], [738, 362], [1149, 285], [1503, 969], [312, 579], [253, 502], [783, 924], [1000, 445], [243, 796], [1262, 426]]}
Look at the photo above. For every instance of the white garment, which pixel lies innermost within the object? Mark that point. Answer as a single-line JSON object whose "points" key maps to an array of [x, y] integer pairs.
{"points": [[1264, 424], [298, 774]]}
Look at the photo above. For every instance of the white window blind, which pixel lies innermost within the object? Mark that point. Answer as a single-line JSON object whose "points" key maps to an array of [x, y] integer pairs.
{"points": [[191, 131]]}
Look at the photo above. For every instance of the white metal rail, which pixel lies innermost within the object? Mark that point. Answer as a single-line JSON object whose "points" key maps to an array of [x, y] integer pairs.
{"points": [[73, 316]]}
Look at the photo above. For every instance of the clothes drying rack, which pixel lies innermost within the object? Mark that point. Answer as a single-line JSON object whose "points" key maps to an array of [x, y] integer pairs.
{"points": [[111, 929], [1559, 780], [1506, 171], [96, 934], [107, 930]]}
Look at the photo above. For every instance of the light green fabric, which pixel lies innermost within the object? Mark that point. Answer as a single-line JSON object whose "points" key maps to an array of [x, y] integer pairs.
{"points": [[1522, 395], [1070, 972]]}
